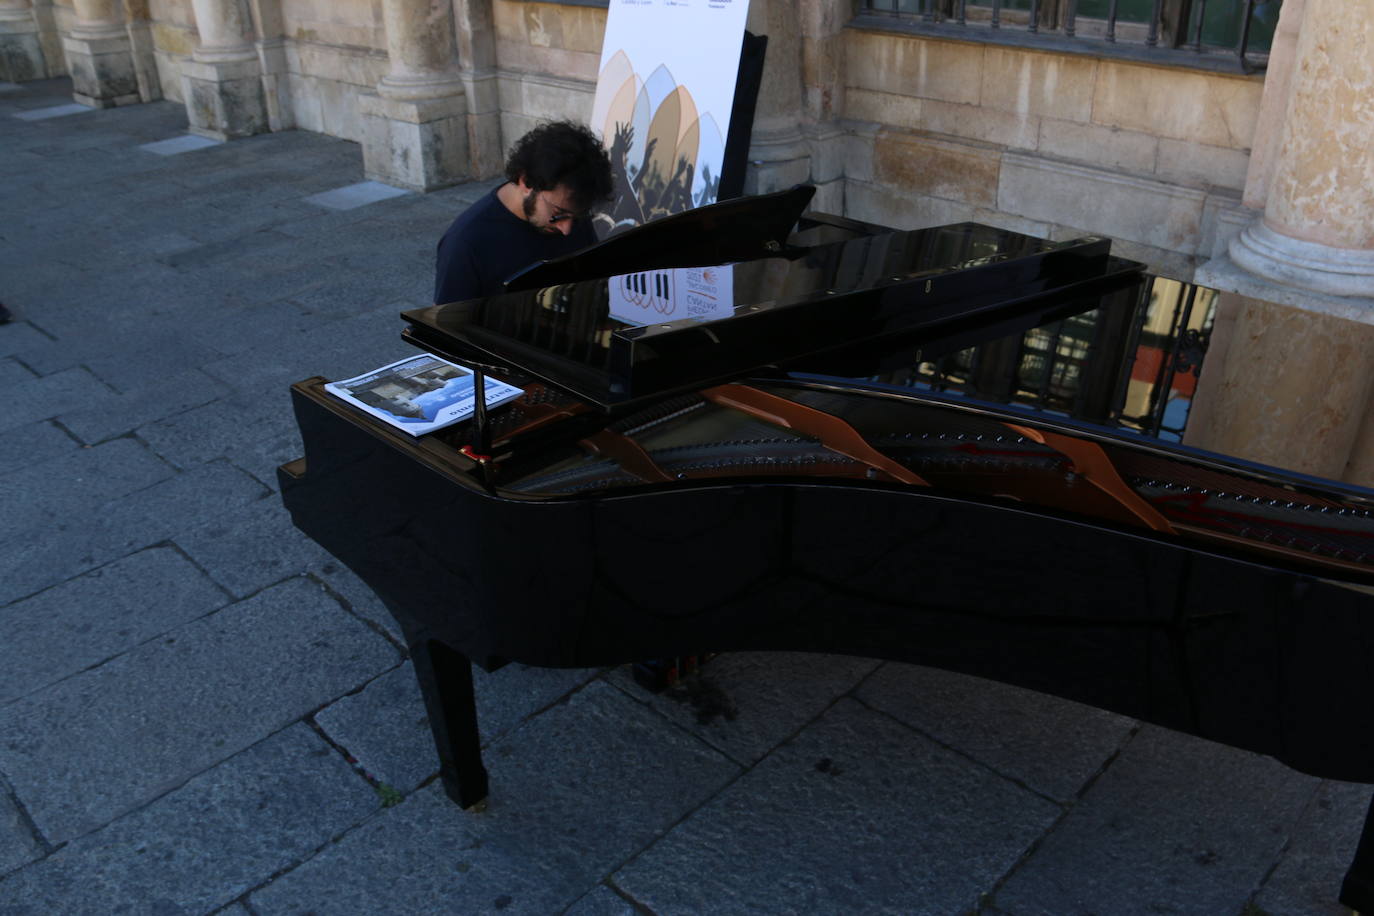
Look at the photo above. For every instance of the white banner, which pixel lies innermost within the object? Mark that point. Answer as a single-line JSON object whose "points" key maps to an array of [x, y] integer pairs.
{"points": [[663, 101]]}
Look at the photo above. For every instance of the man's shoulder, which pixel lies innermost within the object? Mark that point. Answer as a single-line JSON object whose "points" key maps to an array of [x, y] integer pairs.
{"points": [[486, 208]]}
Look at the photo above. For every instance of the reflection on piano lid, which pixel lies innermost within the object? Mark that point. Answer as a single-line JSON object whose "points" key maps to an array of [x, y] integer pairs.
{"points": [[731, 230], [856, 293]]}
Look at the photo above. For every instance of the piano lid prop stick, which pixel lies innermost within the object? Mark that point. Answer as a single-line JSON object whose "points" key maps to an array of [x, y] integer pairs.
{"points": [[479, 450]]}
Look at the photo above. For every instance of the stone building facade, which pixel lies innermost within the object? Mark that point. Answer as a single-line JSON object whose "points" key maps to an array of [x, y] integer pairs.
{"points": [[1259, 183]]}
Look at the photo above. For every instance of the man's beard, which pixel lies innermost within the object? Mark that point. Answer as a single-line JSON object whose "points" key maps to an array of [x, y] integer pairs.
{"points": [[528, 205]]}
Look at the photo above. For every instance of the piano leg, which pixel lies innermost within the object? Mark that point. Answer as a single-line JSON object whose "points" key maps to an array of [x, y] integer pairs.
{"points": [[446, 681], [1358, 890]]}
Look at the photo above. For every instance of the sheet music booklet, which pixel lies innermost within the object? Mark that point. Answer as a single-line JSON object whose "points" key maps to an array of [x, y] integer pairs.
{"points": [[420, 393]]}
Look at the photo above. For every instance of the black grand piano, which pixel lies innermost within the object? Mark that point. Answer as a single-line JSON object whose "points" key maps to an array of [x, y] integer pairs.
{"points": [[810, 503]]}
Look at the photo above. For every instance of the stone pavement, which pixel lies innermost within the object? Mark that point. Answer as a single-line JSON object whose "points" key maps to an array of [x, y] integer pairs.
{"points": [[202, 712]]}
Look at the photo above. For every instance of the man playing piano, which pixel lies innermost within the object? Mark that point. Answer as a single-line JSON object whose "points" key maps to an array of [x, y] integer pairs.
{"points": [[555, 174]]}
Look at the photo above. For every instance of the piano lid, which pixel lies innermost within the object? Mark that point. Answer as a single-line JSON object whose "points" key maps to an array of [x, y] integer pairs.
{"points": [[635, 336], [730, 230]]}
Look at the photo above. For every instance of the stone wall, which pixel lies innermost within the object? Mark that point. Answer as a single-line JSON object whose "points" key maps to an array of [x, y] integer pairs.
{"points": [[174, 38], [895, 128], [335, 50], [548, 55], [1045, 143]]}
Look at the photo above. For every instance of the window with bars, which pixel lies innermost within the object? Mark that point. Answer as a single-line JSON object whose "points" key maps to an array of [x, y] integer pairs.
{"points": [[1214, 34]]}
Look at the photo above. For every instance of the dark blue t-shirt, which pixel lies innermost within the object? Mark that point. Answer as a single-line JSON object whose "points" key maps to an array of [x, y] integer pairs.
{"points": [[487, 243]]}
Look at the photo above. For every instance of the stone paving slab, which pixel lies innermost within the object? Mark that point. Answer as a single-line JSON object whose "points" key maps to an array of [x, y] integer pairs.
{"points": [[25, 446], [258, 326], [103, 330], [148, 720], [54, 111], [1050, 745], [54, 634], [1318, 854], [354, 594], [50, 396], [355, 195], [85, 479], [17, 843], [262, 457], [857, 813], [746, 703], [208, 841], [18, 335], [176, 145], [206, 433], [385, 727], [602, 901], [147, 366], [12, 372], [35, 559], [574, 794], [127, 411], [334, 349], [251, 547], [1176, 825]]}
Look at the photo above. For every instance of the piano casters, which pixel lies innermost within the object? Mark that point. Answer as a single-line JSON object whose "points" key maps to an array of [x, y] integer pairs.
{"points": [[445, 678], [479, 449], [1358, 890]]}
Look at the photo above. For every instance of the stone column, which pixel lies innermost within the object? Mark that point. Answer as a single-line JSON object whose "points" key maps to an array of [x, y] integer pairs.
{"points": [[100, 57], [223, 78], [270, 26], [823, 78], [415, 126], [1289, 377], [1318, 227], [779, 154], [21, 51], [476, 31], [141, 45]]}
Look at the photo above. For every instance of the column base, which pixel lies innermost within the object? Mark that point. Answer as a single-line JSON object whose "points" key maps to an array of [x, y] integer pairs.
{"points": [[102, 69], [275, 85], [21, 51], [421, 144], [487, 157], [778, 159], [224, 98], [145, 61], [1304, 265], [1261, 398]]}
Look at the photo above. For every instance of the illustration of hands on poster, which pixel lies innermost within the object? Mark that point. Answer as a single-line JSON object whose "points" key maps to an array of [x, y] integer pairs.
{"points": [[663, 101]]}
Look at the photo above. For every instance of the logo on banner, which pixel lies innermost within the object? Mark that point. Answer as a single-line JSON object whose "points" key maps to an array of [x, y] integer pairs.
{"points": [[653, 296]]}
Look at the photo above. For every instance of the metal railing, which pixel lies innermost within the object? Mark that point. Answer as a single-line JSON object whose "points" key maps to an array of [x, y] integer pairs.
{"points": [[1216, 34]]}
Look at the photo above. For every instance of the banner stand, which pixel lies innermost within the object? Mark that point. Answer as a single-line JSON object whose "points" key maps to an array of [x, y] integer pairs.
{"points": [[737, 137]]}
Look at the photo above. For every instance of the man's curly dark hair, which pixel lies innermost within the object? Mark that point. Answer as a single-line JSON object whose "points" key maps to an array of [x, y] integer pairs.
{"points": [[562, 153]]}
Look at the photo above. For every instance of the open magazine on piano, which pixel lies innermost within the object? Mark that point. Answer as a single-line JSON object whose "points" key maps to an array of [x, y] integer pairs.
{"points": [[420, 393]]}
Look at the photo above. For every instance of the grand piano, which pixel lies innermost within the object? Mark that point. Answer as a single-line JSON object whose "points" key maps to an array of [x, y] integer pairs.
{"points": [[751, 477]]}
